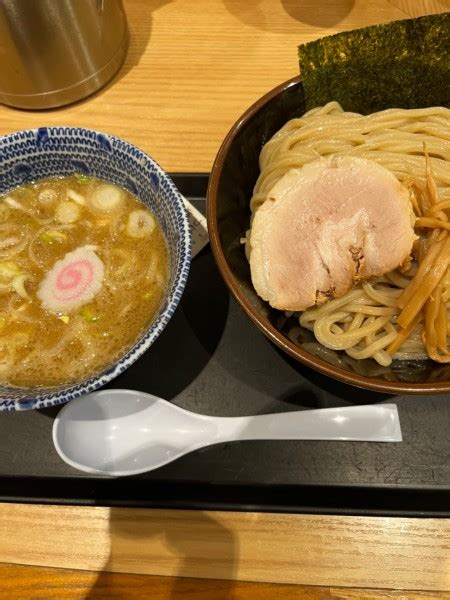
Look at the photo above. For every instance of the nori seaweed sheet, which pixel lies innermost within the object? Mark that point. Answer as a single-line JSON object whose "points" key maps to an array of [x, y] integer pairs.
{"points": [[403, 64]]}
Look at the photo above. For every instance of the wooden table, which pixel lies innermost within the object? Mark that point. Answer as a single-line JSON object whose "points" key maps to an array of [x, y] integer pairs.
{"points": [[192, 69]]}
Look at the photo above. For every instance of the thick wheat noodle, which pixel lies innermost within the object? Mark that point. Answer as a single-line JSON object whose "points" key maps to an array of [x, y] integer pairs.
{"points": [[347, 339], [332, 306], [363, 322], [374, 349], [366, 309], [387, 296], [357, 321]]}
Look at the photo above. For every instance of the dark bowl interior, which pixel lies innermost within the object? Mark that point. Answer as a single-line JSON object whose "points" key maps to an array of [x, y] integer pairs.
{"points": [[233, 177]]}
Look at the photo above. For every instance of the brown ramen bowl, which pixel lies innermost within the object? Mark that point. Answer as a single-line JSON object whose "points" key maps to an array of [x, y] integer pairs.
{"points": [[232, 179]]}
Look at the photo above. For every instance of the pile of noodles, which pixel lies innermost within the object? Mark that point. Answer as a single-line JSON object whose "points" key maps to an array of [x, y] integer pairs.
{"points": [[406, 313]]}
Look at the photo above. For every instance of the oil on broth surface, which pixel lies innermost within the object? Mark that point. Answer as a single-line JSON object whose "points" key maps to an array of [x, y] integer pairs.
{"points": [[61, 319]]}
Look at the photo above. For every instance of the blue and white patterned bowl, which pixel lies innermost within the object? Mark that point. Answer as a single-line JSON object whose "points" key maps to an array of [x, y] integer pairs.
{"points": [[50, 151]]}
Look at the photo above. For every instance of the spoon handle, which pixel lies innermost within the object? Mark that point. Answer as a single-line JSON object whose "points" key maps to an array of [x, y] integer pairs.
{"points": [[371, 423]]}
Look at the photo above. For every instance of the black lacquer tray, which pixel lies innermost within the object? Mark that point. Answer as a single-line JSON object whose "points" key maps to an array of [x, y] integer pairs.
{"points": [[212, 359]]}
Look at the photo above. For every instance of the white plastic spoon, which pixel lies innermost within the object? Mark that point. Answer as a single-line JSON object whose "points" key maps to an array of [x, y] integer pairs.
{"points": [[123, 432]]}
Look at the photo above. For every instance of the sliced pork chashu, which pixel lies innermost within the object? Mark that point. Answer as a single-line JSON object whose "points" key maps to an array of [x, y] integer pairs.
{"points": [[324, 226]]}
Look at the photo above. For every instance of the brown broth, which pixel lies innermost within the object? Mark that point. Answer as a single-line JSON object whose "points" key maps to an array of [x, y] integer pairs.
{"points": [[38, 347]]}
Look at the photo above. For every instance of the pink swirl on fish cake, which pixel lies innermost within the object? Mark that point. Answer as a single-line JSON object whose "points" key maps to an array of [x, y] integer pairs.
{"points": [[76, 278]]}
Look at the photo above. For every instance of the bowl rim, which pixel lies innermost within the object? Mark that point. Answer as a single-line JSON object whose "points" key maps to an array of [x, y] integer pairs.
{"points": [[374, 384], [44, 399]]}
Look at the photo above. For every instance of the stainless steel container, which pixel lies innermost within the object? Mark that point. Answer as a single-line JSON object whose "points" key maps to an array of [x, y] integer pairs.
{"points": [[53, 52]]}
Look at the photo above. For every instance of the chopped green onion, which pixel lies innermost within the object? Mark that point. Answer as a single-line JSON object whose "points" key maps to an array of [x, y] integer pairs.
{"points": [[23, 192], [67, 212], [88, 315], [83, 179], [106, 198], [49, 237], [148, 295], [141, 223]]}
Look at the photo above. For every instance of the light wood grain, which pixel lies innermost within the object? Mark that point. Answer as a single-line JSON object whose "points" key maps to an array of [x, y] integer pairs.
{"points": [[418, 8], [195, 65], [386, 553], [57, 584]]}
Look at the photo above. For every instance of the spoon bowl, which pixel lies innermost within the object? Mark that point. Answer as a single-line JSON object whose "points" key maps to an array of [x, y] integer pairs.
{"points": [[124, 432]]}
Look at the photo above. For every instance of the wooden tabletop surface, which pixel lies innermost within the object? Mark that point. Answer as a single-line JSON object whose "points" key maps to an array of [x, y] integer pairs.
{"points": [[193, 67]]}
